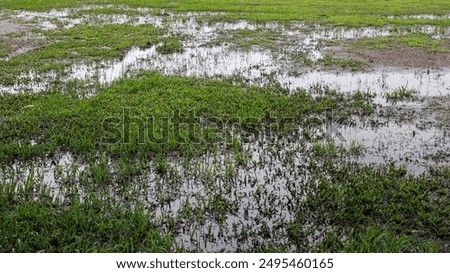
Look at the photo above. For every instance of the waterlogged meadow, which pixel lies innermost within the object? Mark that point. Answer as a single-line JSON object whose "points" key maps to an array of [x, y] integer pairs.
{"points": [[159, 126]]}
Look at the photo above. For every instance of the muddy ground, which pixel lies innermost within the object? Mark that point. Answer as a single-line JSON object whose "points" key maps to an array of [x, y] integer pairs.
{"points": [[403, 57]]}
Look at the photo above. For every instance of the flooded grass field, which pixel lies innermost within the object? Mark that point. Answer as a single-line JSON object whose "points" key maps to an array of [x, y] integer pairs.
{"points": [[157, 126]]}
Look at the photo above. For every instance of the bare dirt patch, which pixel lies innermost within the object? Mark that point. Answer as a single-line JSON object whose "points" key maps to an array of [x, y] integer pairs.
{"points": [[414, 57]]}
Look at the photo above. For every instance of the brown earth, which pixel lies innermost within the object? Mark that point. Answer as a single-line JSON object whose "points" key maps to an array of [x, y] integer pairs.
{"points": [[402, 57]]}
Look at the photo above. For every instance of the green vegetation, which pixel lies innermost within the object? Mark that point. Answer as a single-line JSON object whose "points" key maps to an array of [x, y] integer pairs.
{"points": [[376, 240], [4, 49], [342, 63], [411, 40], [95, 224], [84, 43], [347, 12], [77, 124], [378, 210], [131, 166], [401, 94], [170, 46]]}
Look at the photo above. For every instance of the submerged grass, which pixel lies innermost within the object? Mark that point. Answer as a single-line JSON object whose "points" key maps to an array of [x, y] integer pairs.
{"points": [[83, 43], [328, 60], [378, 210], [410, 40]]}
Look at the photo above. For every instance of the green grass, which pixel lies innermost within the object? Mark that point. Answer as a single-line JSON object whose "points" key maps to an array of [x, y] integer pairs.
{"points": [[378, 210], [80, 125], [377, 240], [170, 46], [401, 94], [83, 43], [4, 49], [356, 208], [94, 225], [346, 12], [342, 63], [410, 40]]}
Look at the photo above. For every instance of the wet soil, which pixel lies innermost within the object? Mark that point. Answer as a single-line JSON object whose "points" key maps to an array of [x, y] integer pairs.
{"points": [[411, 57], [19, 37], [7, 27]]}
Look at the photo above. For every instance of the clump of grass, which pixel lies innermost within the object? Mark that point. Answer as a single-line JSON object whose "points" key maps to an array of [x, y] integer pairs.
{"points": [[401, 94], [4, 49], [355, 148], [170, 46], [377, 240], [343, 63], [322, 149]]}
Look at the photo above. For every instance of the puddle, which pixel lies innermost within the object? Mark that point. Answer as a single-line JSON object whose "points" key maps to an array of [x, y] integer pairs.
{"points": [[225, 60], [403, 145], [435, 82], [422, 16], [254, 65], [200, 62], [69, 18], [50, 20], [216, 204], [48, 173]]}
